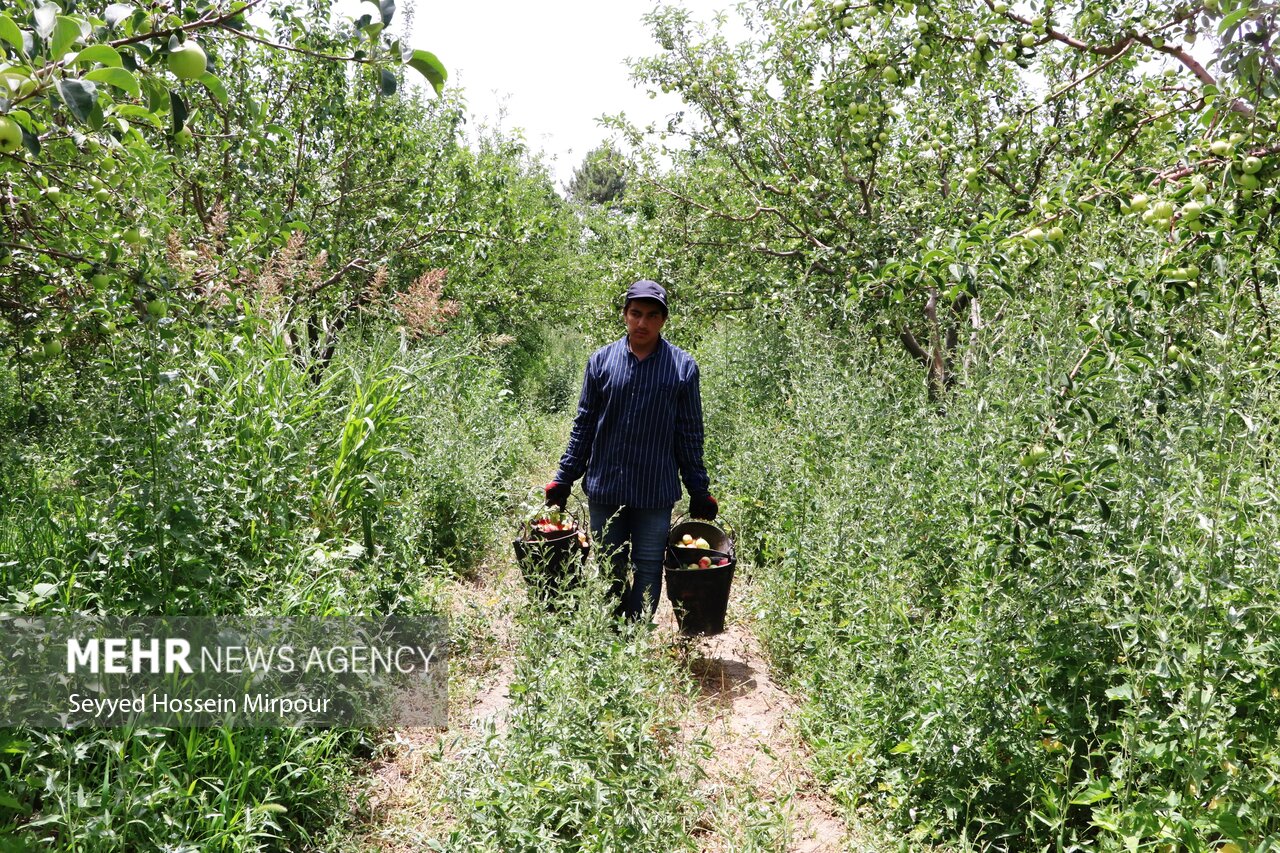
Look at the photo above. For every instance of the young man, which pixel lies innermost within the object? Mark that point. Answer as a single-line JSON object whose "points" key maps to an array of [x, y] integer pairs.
{"points": [[638, 432]]}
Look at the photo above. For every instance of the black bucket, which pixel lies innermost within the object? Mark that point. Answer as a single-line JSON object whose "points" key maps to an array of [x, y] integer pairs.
{"points": [[699, 596], [551, 563]]}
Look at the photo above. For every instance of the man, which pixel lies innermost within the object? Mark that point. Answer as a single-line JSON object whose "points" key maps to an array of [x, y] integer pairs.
{"points": [[638, 432]]}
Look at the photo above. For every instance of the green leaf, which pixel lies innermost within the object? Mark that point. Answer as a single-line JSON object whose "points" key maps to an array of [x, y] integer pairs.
{"points": [[9, 32], [211, 82], [30, 141], [80, 96], [426, 64], [388, 82], [180, 112], [116, 13], [117, 77], [9, 802], [140, 113], [388, 9], [1230, 21], [46, 18], [101, 54], [157, 94], [97, 117], [905, 747], [1123, 691], [1096, 792], [65, 33]]}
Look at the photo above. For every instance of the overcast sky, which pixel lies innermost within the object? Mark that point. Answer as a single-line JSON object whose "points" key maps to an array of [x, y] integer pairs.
{"points": [[555, 66]]}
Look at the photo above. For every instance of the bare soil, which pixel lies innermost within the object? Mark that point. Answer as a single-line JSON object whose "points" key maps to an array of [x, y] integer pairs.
{"points": [[757, 756], [403, 809]]}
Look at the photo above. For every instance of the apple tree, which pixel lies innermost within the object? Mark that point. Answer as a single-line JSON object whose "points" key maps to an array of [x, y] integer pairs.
{"points": [[123, 127], [912, 160], [1098, 180]]}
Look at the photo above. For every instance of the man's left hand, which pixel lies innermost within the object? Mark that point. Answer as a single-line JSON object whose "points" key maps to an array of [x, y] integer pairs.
{"points": [[704, 507]]}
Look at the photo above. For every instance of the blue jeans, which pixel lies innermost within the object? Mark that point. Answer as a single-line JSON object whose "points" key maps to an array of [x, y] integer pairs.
{"points": [[612, 529]]}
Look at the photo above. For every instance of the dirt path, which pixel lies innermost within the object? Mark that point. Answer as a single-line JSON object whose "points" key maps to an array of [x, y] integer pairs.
{"points": [[403, 812], [758, 759], [757, 773]]}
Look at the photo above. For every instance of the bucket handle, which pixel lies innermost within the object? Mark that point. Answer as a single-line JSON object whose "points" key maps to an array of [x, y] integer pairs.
{"points": [[720, 520], [580, 517]]}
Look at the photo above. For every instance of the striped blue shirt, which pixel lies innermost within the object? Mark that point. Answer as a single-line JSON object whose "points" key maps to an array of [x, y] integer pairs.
{"points": [[638, 431]]}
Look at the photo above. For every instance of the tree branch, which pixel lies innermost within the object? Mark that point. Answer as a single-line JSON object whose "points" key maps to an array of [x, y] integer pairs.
{"points": [[200, 24]]}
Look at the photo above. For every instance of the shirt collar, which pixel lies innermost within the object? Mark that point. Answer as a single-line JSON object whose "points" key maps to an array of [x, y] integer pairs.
{"points": [[660, 348]]}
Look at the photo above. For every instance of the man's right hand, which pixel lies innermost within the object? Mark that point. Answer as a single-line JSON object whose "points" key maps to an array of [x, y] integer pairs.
{"points": [[557, 493]]}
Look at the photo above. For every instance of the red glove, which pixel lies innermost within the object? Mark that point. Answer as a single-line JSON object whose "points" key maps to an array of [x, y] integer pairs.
{"points": [[704, 507], [557, 493]]}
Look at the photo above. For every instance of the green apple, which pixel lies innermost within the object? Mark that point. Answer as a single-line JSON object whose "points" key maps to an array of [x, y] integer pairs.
{"points": [[1221, 148], [1192, 210], [158, 308], [10, 135], [1056, 234], [188, 62], [132, 236], [1027, 40], [1162, 210], [1000, 7], [1251, 165], [1249, 182], [1036, 235], [1034, 455], [1138, 203], [100, 281]]}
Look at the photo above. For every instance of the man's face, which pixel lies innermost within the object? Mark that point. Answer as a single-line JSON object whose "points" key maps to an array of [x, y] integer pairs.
{"points": [[644, 320]]}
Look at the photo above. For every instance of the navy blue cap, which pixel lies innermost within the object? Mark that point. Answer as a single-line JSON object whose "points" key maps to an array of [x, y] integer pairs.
{"points": [[645, 289]]}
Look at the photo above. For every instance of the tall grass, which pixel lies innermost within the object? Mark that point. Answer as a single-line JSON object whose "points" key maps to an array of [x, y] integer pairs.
{"points": [[218, 471], [1014, 650], [591, 757]]}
